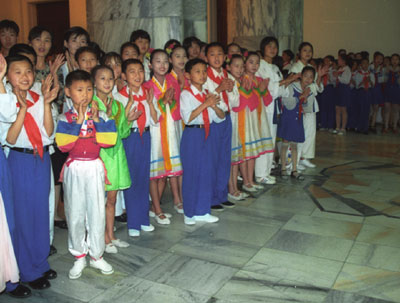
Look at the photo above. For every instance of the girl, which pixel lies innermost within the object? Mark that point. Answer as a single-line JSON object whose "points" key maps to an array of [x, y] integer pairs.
{"points": [[114, 61], [392, 101], [352, 110], [379, 72], [165, 159], [129, 50], [177, 59], [290, 127], [343, 93], [114, 157], [327, 108], [192, 46]]}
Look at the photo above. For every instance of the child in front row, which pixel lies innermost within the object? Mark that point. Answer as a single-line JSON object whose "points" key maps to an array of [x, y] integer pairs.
{"points": [[198, 110], [81, 133]]}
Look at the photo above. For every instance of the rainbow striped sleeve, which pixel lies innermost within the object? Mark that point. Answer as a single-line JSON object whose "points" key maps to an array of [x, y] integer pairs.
{"points": [[66, 135], [106, 133]]}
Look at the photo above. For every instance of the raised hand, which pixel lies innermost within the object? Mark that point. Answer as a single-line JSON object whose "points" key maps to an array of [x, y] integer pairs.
{"points": [[169, 95], [246, 82], [3, 66], [230, 84], [225, 85], [70, 62], [212, 100], [150, 96], [263, 85], [95, 111], [133, 115], [322, 71], [20, 98], [56, 64], [305, 93]]}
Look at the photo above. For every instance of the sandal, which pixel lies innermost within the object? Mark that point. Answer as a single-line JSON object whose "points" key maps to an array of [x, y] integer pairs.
{"points": [[162, 219], [179, 208], [284, 175], [242, 194], [296, 175]]}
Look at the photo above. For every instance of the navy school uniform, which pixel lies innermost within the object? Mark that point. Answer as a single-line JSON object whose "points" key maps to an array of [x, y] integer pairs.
{"points": [[364, 81], [327, 101], [377, 91], [392, 93], [352, 110]]}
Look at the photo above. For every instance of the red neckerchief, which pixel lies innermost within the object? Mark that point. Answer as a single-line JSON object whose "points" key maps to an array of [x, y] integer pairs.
{"points": [[325, 80], [218, 80], [141, 121], [365, 78], [31, 127], [201, 98]]}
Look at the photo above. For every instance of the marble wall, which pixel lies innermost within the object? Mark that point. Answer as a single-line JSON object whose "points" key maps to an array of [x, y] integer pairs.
{"points": [[110, 22]]}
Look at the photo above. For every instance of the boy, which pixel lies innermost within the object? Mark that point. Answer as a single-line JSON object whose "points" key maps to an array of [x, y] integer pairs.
{"points": [[9, 31], [87, 58], [142, 39], [28, 139], [129, 50], [199, 111], [137, 146], [219, 82], [81, 133]]}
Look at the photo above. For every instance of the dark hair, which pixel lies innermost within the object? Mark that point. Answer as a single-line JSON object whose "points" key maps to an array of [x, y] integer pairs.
{"points": [[233, 44], [140, 33], [156, 51], [174, 42], [214, 44], [304, 44], [278, 61], [18, 58], [395, 55], [86, 49], [76, 31], [129, 44], [364, 59], [267, 40], [97, 68], [235, 56], [187, 42], [22, 48], [37, 31], [308, 68], [77, 75], [348, 61], [341, 50], [9, 24], [110, 56], [289, 53], [128, 62], [192, 62], [251, 54], [330, 57], [97, 49], [376, 54], [364, 54]]}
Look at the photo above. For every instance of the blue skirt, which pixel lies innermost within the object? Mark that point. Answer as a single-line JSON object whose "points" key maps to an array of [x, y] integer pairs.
{"points": [[290, 127], [343, 95]]}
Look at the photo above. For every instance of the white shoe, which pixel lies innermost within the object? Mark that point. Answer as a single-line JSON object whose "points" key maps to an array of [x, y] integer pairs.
{"points": [[234, 198], [165, 221], [300, 167], [266, 180], [240, 178], [177, 209], [258, 186], [115, 228], [147, 227], [207, 218], [250, 188], [244, 195], [111, 249], [152, 214], [76, 271], [272, 177], [120, 243], [189, 221], [335, 131], [307, 163], [134, 232], [105, 268]]}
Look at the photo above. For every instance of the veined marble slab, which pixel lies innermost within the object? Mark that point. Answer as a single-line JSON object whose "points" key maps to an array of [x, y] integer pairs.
{"points": [[377, 234]]}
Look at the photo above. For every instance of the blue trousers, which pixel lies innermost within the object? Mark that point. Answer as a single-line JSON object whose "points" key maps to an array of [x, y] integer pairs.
{"points": [[137, 205], [221, 136], [363, 101], [198, 173], [31, 186]]}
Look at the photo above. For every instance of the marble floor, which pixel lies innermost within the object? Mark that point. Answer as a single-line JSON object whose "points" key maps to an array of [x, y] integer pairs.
{"points": [[334, 237]]}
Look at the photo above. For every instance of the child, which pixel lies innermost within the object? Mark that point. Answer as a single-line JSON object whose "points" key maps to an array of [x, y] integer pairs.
{"points": [[192, 46], [114, 158], [28, 139], [165, 137], [287, 56], [142, 39], [379, 72], [81, 133], [343, 94], [114, 61], [392, 101], [87, 58], [327, 97], [199, 110], [9, 31], [233, 49], [364, 80], [129, 50], [137, 146], [219, 82], [290, 127], [178, 59]]}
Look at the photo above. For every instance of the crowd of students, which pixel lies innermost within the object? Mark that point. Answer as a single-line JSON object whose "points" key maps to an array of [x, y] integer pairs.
{"points": [[104, 133]]}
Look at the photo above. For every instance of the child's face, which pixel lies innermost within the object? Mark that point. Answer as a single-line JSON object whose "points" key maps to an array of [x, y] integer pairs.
{"points": [[236, 68], [354, 67], [198, 74], [129, 52], [327, 62], [143, 45], [104, 81], [252, 64], [307, 78], [42, 44], [116, 67], [234, 50], [74, 42], [179, 58], [306, 53], [285, 57], [8, 38], [358, 56], [378, 60], [202, 54], [386, 61], [341, 62], [194, 50], [215, 57], [271, 50], [364, 65], [395, 60], [21, 75], [87, 61], [80, 92], [160, 64], [134, 75]]}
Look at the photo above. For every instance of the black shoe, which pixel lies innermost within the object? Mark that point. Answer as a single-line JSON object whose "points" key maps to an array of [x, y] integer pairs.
{"points": [[228, 204], [217, 207], [50, 274], [40, 283], [20, 292], [53, 250], [122, 218], [61, 224]]}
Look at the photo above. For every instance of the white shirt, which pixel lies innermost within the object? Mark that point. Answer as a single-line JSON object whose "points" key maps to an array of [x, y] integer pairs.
{"points": [[345, 76], [298, 67], [272, 72], [380, 72], [359, 79], [189, 103]]}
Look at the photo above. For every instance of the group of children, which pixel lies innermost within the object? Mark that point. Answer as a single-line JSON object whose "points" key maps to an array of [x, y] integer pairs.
{"points": [[193, 115]]}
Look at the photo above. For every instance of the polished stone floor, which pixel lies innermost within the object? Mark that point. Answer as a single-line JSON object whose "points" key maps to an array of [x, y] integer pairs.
{"points": [[334, 237]]}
